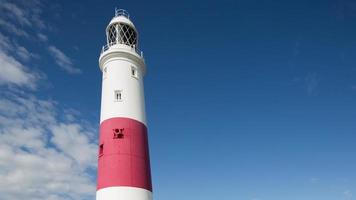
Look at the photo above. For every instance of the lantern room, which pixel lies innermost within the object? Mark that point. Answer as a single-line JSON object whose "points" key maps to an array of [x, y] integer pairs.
{"points": [[121, 30]]}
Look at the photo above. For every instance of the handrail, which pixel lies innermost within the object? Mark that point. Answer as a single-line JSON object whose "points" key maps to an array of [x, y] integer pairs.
{"points": [[107, 47], [121, 12]]}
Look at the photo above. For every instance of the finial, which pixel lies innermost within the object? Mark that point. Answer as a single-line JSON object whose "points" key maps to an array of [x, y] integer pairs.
{"points": [[121, 12]]}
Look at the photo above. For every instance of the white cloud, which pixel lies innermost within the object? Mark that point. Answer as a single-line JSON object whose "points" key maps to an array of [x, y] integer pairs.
{"points": [[24, 54], [24, 13], [13, 72], [4, 43], [74, 143], [42, 37], [63, 61], [42, 157], [42, 154], [16, 12], [11, 28], [22, 19], [6, 46]]}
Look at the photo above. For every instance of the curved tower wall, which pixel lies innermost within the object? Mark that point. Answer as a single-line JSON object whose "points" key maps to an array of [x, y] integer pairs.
{"points": [[123, 157]]}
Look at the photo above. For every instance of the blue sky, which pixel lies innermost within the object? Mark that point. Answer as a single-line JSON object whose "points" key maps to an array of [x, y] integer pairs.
{"points": [[251, 100]]}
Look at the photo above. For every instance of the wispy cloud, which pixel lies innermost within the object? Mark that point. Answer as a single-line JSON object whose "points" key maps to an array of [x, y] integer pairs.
{"points": [[63, 61], [41, 153], [42, 37], [42, 156], [24, 13], [13, 72], [73, 140], [12, 29], [24, 20], [17, 13], [5, 43], [24, 54], [13, 55]]}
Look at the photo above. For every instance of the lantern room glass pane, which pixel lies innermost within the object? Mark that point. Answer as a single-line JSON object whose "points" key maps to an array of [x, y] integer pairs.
{"points": [[112, 34], [125, 34]]}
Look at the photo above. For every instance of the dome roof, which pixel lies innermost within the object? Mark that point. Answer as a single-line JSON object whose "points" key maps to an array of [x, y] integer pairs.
{"points": [[121, 16]]}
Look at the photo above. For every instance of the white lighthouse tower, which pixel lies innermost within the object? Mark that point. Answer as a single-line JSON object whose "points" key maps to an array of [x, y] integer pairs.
{"points": [[123, 160]]}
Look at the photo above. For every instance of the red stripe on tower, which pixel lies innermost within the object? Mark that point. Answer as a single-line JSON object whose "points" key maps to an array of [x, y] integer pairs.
{"points": [[123, 154]]}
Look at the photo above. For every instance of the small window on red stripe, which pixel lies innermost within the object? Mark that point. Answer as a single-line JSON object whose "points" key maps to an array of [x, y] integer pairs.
{"points": [[101, 149]]}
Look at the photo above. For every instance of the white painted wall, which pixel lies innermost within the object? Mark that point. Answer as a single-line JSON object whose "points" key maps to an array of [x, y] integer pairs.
{"points": [[123, 193], [119, 77]]}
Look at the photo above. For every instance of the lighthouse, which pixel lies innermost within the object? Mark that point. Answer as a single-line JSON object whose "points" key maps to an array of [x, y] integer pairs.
{"points": [[123, 157]]}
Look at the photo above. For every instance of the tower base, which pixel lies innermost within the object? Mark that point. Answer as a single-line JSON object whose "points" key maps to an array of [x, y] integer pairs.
{"points": [[123, 193]]}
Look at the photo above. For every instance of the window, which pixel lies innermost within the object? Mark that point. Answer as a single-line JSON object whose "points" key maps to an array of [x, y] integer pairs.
{"points": [[118, 95], [123, 34], [127, 35], [134, 72], [101, 149], [118, 133], [112, 33]]}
